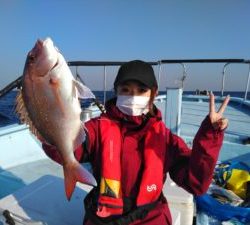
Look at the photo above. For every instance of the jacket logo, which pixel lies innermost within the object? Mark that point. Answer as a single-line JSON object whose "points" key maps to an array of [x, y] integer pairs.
{"points": [[151, 187]]}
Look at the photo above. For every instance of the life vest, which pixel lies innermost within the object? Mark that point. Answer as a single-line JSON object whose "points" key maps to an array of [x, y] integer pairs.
{"points": [[110, 200]]}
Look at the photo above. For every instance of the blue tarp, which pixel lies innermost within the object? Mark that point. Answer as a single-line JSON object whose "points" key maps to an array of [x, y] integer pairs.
{"points": [[222, 212]]}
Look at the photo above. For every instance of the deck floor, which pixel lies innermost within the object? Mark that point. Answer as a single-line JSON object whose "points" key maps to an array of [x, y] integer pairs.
{"points": [[19, 176], [193, 113]]}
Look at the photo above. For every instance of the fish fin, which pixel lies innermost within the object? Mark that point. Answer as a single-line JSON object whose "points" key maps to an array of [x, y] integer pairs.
{"points": [[54, 77], [83, 91], [75, 173], [81, 137], [22, 112]]}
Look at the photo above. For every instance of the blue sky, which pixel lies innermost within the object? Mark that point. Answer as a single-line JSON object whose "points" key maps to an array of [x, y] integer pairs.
{"points": [[131, 29]]}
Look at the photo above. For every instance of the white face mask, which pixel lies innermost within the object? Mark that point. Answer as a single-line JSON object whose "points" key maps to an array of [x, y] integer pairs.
{"points": [[133, 105]]}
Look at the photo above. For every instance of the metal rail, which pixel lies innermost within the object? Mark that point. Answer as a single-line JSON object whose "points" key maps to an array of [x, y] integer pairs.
{"points": [[204, 61], [226, 61], [101, 63], [247, 85], [17, 83]]}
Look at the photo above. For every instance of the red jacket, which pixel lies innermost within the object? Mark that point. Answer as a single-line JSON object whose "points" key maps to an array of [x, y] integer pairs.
{"points": [[190, 169]]}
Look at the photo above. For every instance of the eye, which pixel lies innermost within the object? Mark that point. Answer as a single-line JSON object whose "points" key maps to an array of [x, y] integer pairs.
{"points": [[143, 89], [31, 58], [124, 89]]}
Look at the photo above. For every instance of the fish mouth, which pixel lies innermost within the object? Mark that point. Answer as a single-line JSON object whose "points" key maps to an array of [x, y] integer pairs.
{"points": [[53, 67], [57, 62], [45, 73], [46, 41], [43, 59], [46, 44], [40, 42]]}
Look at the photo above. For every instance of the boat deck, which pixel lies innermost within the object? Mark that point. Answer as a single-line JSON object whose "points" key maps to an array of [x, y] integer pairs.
{"points": [[194, 111], [19, 176], [237, 114]]}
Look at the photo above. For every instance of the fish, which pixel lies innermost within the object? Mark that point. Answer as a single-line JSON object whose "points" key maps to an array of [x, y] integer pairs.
{"points": [[48, 103]]}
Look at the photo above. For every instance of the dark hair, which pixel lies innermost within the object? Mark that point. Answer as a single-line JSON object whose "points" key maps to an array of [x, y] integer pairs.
{"points": [[154, 91]]}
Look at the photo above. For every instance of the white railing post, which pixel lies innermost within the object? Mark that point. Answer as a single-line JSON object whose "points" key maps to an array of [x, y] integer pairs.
{"points": [[248, 80], [173, 109]]}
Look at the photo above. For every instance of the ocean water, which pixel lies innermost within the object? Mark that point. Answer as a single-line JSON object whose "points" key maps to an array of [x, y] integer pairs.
{"points": [[7, 104]]}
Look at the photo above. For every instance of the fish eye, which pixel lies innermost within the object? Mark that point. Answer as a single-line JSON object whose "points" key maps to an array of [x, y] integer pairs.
{"points": [[31, 58]]}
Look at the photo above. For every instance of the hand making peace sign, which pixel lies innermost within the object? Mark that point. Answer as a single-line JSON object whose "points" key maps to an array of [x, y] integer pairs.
{"points": [[217, 119]]}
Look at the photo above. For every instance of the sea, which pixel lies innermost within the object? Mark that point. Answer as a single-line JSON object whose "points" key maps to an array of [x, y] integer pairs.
{"points": [[7, 103]]}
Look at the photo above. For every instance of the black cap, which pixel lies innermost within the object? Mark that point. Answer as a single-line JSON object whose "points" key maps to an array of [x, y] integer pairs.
{"points": [[136, 70]]}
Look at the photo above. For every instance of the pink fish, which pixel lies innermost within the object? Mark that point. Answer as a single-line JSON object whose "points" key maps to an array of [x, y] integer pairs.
{"points": [[49, 103]]}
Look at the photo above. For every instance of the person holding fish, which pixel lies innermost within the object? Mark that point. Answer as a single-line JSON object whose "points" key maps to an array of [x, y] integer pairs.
{"points": [[129, 147], [131, 151]]}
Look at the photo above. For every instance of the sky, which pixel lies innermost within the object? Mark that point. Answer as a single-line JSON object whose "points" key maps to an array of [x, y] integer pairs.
{"points": [[122, 30]]}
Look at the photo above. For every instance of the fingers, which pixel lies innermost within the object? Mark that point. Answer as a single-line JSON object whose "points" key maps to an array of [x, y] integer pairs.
{"points": [[211, 103], [221, 124], [224, 105], [224, 124]]}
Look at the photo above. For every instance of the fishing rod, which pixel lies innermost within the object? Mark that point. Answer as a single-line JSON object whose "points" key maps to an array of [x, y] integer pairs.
{"points": [[14, 84]]}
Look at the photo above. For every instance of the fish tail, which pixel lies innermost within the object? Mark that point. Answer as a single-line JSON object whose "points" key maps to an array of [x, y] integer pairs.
{"points": [[75, 173]]}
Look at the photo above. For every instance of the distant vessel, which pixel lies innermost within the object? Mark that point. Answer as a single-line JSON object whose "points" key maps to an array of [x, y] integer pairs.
{"points": [[199, 92], [31, 184]]}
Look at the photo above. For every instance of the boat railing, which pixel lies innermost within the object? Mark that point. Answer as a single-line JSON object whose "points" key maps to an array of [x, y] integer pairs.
{"points": [[224, 77], [182, 62], [226, 62]]}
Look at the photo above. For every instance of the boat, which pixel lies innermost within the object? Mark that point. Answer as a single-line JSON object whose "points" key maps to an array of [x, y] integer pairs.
{"points": [[31, 184]]}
